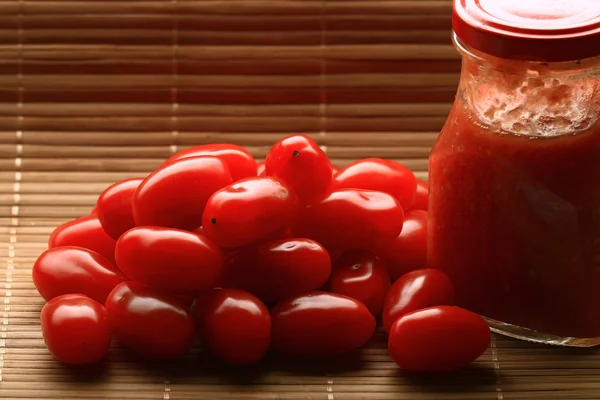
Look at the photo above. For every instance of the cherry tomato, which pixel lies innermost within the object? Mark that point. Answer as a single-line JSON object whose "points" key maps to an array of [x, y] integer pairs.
{"points": [[150, 322], [361, 275], [84, 232], [278, 269], [320, 324], [350, 219], [239, 160], [334, 170], [235, 325], [248, 211], [438, 339], [114, 207], [421, 201], [300, 162], [415, 290], [170, 259], [381, 175], [76, 329], [67, 270], [174, 196], [408, 251], [260, 168]]}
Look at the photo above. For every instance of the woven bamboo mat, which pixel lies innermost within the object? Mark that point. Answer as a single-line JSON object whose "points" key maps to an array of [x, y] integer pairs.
{"points": [[96, 91]]}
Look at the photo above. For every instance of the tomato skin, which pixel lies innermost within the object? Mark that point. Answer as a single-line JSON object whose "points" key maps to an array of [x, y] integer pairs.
{"points": [[174, 260], [334, 170], [223, 309], [320, 324], [277, 269], [166, 198], [381, 175], [260, 168], [114, 207], [150, 322], [438, 339], [84, 232], [249, 211], [76, 329], [67, 270], [421, 201], [350, 219], [415, 290], [300, 162], [408, 251], [239, 160], [361, 275]]}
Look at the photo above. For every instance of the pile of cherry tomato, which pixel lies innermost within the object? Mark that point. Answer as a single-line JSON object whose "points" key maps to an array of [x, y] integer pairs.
{"points": [[291, 255]]}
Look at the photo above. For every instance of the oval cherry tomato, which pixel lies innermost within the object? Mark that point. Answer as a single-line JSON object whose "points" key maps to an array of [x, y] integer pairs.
{"points": [[170, 259], [260, 168], [67, 270], [408, 251], [415, 290], [174, 196], [361, 275], [76, 329], [239, 160], [381, 175], [84, 232], [421, 201], [248, 211], [235, 325], [351, 218], [150, 322], [300, 162], [334, 170], [320, 324], [438, 339], [114, 207], [278, 269]]}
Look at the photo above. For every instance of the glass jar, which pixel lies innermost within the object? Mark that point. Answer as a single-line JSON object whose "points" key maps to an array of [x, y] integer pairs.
{"points": [[514, 213]]}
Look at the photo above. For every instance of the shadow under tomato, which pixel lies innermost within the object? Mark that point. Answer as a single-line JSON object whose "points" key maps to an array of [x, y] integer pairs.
{"points": [[90, 373], [465, 380]]}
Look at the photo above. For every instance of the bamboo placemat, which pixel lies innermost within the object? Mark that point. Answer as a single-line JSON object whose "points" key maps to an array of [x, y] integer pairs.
{"points": [[96, 91]]}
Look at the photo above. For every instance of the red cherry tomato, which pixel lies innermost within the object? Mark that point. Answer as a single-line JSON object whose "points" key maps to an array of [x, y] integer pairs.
{"points": [[76, 329], [278, 269], [150, 322], [174, 196], [361, 275], [260, 168], [235, 325], [381, 175], [248, 211], [300, 162], [334, 170], [67, 270], [438, 339], [350, 219], [84, 232], [239, 160], [415, 290], [408, 251], [320, 324], [114, 207], [170, 259], [421, 201]]}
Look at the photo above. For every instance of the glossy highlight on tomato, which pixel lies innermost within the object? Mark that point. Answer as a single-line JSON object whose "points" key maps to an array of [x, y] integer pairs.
{"points": [[150, 322], [320, 324], [114, 207], [415, 290], [174, 196], [249, 211], [438, 339], [220, 311], [84, 232], [76, 329], [351, 218], [68, 270], [239, 160], [171, 259], [260, 168]]}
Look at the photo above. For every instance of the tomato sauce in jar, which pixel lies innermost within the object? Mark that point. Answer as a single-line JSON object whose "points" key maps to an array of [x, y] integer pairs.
{"points": [[515, 173]]}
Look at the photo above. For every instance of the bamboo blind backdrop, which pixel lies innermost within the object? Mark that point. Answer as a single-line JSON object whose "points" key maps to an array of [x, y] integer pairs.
{"points": [[96, 91]]}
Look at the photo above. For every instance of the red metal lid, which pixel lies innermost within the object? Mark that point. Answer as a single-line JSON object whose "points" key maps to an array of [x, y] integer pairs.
{"points": [[536, 30]]}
